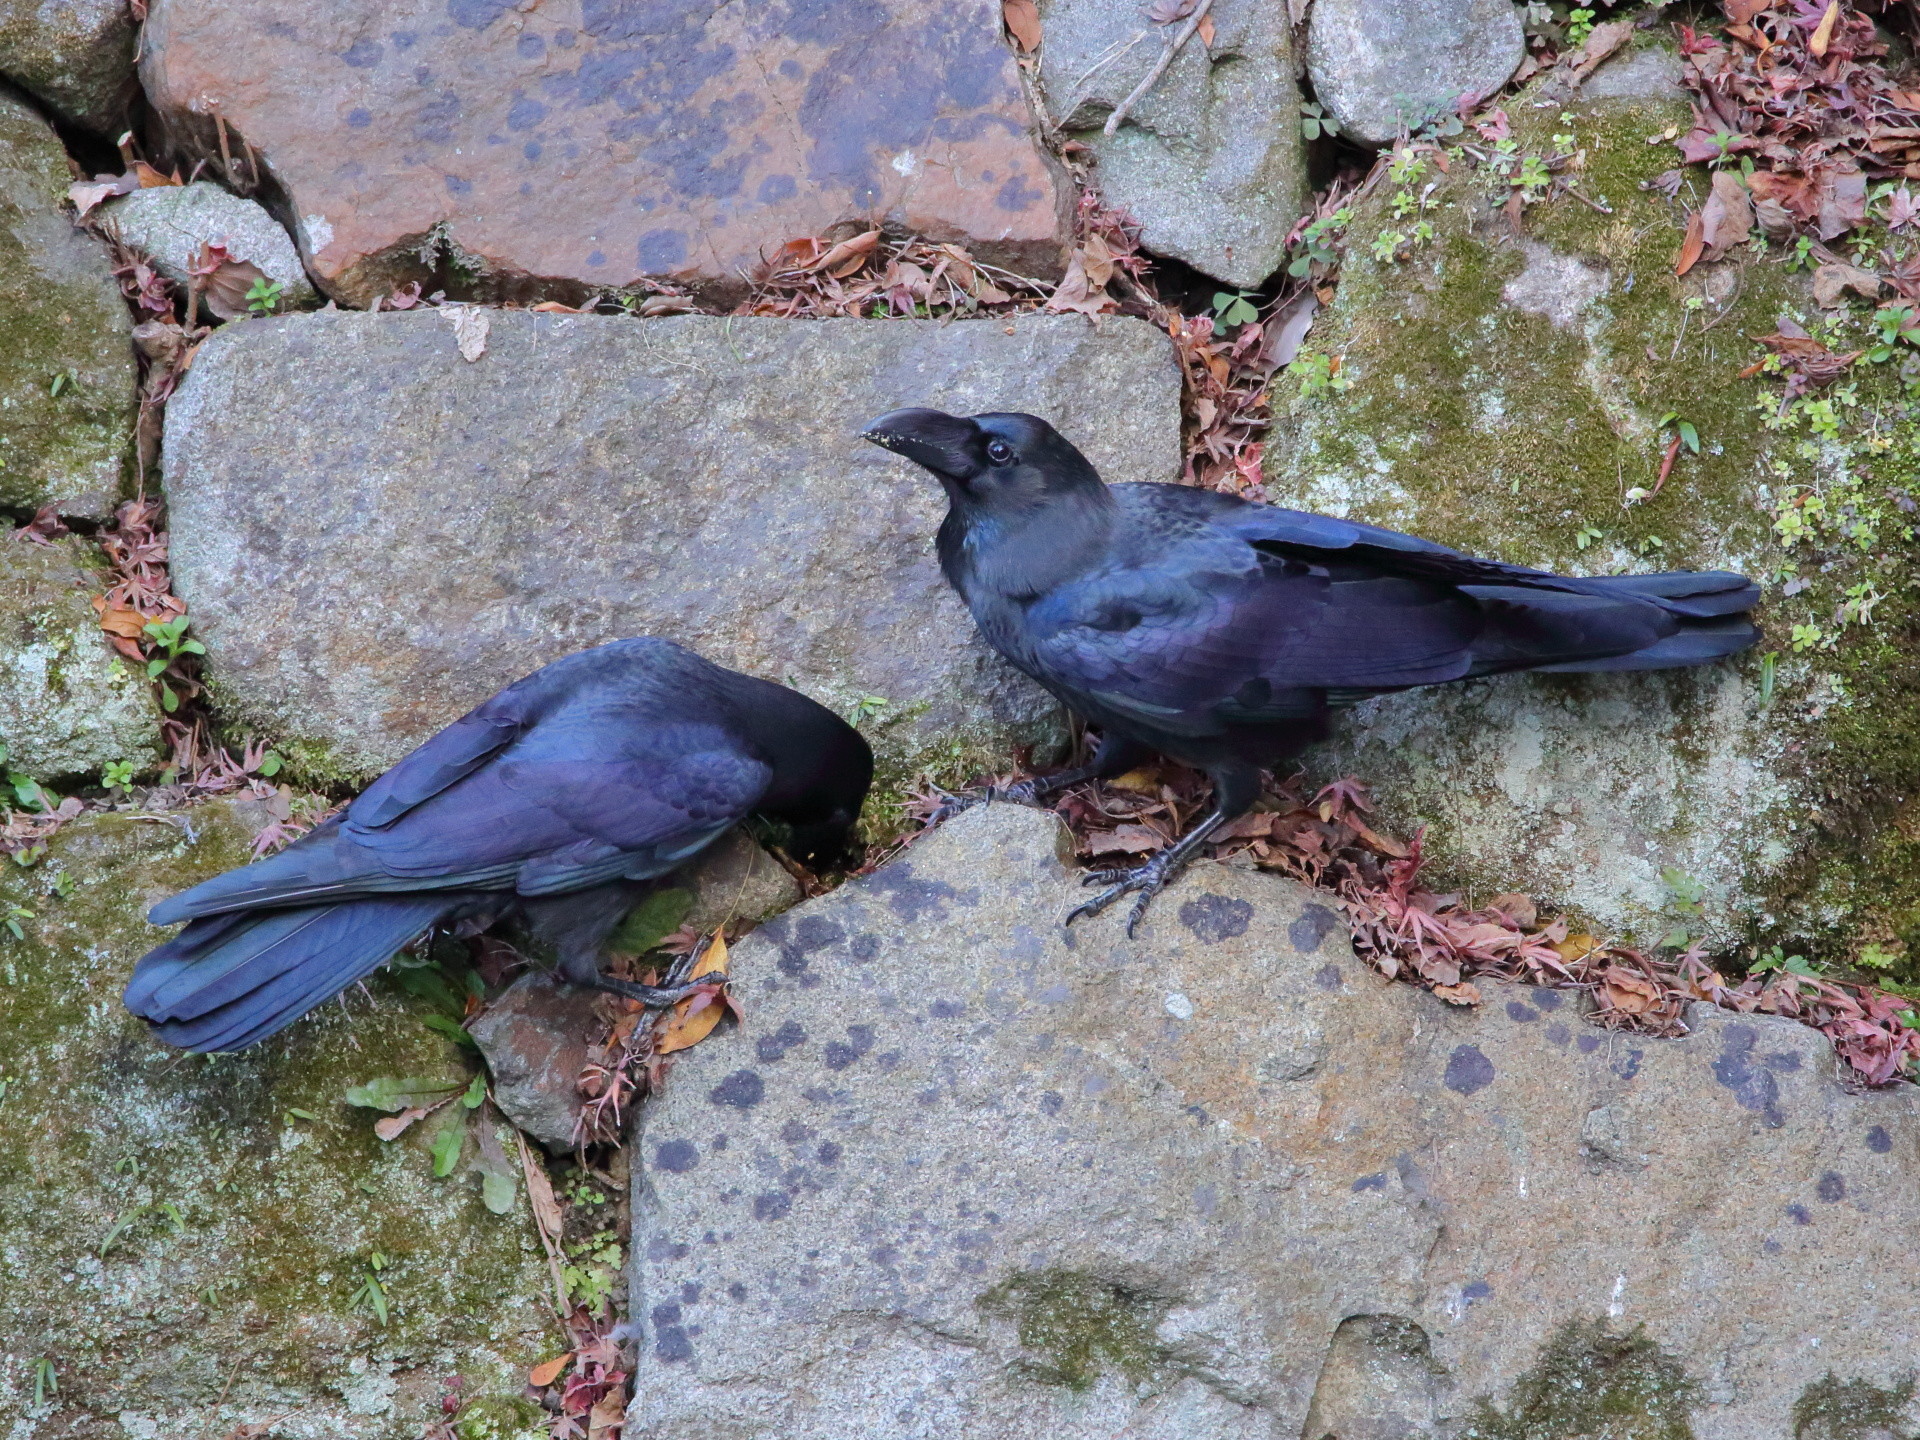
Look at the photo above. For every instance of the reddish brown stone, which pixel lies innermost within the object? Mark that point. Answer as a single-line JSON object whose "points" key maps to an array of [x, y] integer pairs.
{"points": [[588, 143]]}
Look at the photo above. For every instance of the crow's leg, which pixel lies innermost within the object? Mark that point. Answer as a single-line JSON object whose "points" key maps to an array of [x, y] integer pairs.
{"points": [[578, 926], [1234, 791], [1115, 755]]}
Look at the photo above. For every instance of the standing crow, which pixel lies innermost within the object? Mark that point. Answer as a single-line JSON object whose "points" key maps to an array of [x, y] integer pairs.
{"points": [[1222, 632], [560, 799]]}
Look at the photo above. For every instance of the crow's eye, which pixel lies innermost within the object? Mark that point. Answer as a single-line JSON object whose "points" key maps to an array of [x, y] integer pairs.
{"points": [[999, 452]]}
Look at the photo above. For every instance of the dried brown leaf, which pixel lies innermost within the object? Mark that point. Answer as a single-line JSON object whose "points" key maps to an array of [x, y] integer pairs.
{"points": [[470, 326], [693, 1018], [1832, 282], [1727, 218], [548, 1371], [1691, 246], [1022, 18]]}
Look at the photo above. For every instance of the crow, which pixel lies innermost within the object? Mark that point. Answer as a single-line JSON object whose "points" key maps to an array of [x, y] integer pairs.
{"points": [[561, 800], [1223, 633]]}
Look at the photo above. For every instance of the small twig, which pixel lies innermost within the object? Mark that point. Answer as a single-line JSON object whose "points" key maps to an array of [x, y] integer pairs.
{"points": [[214, 1414], [547, 1242], [1603, 209], [1159, 67], [226, 153], [1739, 284]]}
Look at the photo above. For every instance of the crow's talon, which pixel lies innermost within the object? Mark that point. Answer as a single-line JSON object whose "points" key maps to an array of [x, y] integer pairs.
{"points": [[1149, 879]]}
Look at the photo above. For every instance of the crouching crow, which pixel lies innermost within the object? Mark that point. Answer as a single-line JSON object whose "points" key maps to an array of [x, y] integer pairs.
{"points": [[1222, 633], [559, 800]]}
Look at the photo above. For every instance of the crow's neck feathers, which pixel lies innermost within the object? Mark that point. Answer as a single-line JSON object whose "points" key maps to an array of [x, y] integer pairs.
{"points": [[1018, 541]]}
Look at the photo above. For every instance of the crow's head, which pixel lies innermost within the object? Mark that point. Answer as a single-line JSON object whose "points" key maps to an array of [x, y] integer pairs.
{"points": [[999, 460]]}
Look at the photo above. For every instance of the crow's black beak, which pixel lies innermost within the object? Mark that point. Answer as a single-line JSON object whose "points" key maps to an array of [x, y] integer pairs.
{"points": [[932, 439]]}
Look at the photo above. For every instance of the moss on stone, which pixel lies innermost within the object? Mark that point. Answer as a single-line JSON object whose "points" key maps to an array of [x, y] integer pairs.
{"points": [[1856, 1409], [1076, 1327], [241, 1230], [1503, 393], [1592, 1382]]}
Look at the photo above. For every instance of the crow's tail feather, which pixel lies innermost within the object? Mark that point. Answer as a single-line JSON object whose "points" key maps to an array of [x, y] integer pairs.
{"points": [[1693, 594], [228, 981]]}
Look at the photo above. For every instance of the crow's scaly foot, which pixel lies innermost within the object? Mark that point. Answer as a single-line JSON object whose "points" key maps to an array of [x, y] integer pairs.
{"points": [[1149, 879], [654, 997]]}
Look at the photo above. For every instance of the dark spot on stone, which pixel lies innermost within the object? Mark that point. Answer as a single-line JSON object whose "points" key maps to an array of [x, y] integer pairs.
{"points": [[477, 14], [859, 1041], [1328, 977], [776, 188], [1309, 932], [795, 1133], [1478, 1290], [736, 1291], [671, 1345], [743, 1090], [1214, 918], [1783, 1061], [1206, 1199], [1371, 1182], [1752, 1085], [676, 1156], [666, 1314], [1628, 1068], [595, 257], [433, 121], [457, 186], [770, 1048], [791, 69], [1522, 1014], [828, 1153], [1832, 1187], [661, 250], [565, 39], [1055, 995], [910, 897], [404, 39], [1800, 1214], [690, 1293], [813, 933], [1587, 1044], [773, 1205], [531, 47], [1878, 1140], [359, 119], [1468, 1070], [947, 1009], [930, 1096], [525, 113], [363, 54], [863, 948], [718, 1143], [1558, 1033], [1051, 1101], [1547, 1000], [1771, 1247], [1016, 195]]}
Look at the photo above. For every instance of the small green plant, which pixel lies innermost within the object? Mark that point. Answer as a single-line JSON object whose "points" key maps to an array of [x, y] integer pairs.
{"points": [[263, 296], [10, 918], [592, 1269], [1810, 637], [46, 1382], [1769, 672], [1876, 956], [1386, 245], [1801, 257], [865, 708], [1317, 241], [1318, 374], [372, 1294], [1586, 535], [63, 886], [1235, 307], [1316, 122], [65, 380], [1579, 26], [171, 637], [446, 1150], [270, 765], [1686, 899], [1689, 437], [1776, 961], [118, 775], [1896, 325]]}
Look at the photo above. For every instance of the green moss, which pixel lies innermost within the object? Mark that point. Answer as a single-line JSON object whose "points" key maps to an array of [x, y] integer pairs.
{"points": [[500, 1418], [1075, 1327], [1591, 1382], [1856, 1409], [249, 1227]]}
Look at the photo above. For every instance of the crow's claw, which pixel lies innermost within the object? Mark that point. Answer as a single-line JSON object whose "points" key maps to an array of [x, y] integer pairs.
{"points": [[1027, 792], [1149, 879], [654, 997]]}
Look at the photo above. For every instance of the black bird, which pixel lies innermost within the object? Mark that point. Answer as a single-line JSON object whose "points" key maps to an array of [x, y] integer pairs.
{"points": [[561, 799], [1222, 633]]}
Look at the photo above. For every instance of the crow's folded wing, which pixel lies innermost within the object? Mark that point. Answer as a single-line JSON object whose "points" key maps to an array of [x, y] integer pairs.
{"points": [[576, 798]]}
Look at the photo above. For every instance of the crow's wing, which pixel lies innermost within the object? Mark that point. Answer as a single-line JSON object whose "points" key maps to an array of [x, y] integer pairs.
{"points": [[581, 794]]}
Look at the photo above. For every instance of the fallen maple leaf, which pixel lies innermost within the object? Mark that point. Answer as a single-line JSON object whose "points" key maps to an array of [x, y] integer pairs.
{"points": [[548, 1371], [1831, 283], [1022, 19], [693, 1018], [1465, 993]]}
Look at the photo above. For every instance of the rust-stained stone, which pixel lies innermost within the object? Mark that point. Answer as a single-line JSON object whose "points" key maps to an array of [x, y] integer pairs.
{"points": [[589, 143]]}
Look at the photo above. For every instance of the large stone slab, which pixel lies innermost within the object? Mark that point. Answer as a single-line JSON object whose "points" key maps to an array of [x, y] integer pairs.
{"points": [[958, 1174], [213, 1219], [1504, 393], [589, 143], [1381, 70], [374, 534], [1210, 161], [68, 704], [77, 56], [66, 352]]}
